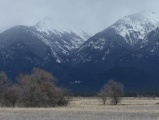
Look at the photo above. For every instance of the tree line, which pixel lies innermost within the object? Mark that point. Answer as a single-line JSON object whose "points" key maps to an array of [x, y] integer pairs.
{"points": [[37, 89]]}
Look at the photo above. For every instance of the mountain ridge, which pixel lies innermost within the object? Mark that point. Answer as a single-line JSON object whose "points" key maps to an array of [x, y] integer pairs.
{"points": [[88, 65], [111, 37]]}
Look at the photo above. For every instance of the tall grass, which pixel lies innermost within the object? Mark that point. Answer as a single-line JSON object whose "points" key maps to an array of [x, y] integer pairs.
{"points": [[88, 109]]}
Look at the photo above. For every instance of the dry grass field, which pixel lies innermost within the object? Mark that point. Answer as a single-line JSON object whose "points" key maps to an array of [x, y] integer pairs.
{"points": [[89, 109]]}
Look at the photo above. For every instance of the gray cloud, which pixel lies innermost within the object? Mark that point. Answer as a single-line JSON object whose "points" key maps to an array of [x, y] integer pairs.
{"points": [[96, 15]]}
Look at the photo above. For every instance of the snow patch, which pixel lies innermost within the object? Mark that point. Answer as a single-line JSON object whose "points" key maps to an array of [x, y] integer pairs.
{"points": [[75, 82]]}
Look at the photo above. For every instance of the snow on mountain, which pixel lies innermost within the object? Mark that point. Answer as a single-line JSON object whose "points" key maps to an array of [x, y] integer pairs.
{"points": [[48, 25], [59, 27], [62, 37], [128, 34], [135, 27]]}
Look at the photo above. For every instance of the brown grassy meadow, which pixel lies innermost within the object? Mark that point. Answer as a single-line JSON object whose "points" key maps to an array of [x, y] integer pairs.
{"points": [[89, 109]]}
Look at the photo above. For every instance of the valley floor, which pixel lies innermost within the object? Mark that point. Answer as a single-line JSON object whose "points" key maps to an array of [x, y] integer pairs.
{"points": [[89, 109]]}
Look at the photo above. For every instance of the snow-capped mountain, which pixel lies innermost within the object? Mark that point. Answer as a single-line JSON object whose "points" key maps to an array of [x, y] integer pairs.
{"points": [[23, 47], [127, 51], [21, 42], [61, 37], [50, 26], [134, 28], [128, 34]]}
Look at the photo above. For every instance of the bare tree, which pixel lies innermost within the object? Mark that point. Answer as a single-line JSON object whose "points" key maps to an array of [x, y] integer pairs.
{"points": [[3, 85], [112, 90], [37, 89], [40, 90], [11, 95], [103, 95]]}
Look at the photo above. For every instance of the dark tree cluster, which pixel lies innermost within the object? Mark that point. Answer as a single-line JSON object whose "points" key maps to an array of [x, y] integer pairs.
{"points": [[37, 89]]}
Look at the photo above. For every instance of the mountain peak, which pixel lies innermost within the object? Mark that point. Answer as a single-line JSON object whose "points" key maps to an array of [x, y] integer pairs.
{"points": [[135, 27], [51, 25], [61, 36], [143, 15], [59, 26]]}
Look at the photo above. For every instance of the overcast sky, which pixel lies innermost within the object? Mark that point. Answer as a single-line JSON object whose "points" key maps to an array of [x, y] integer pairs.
{"points": [[94, 14]]}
